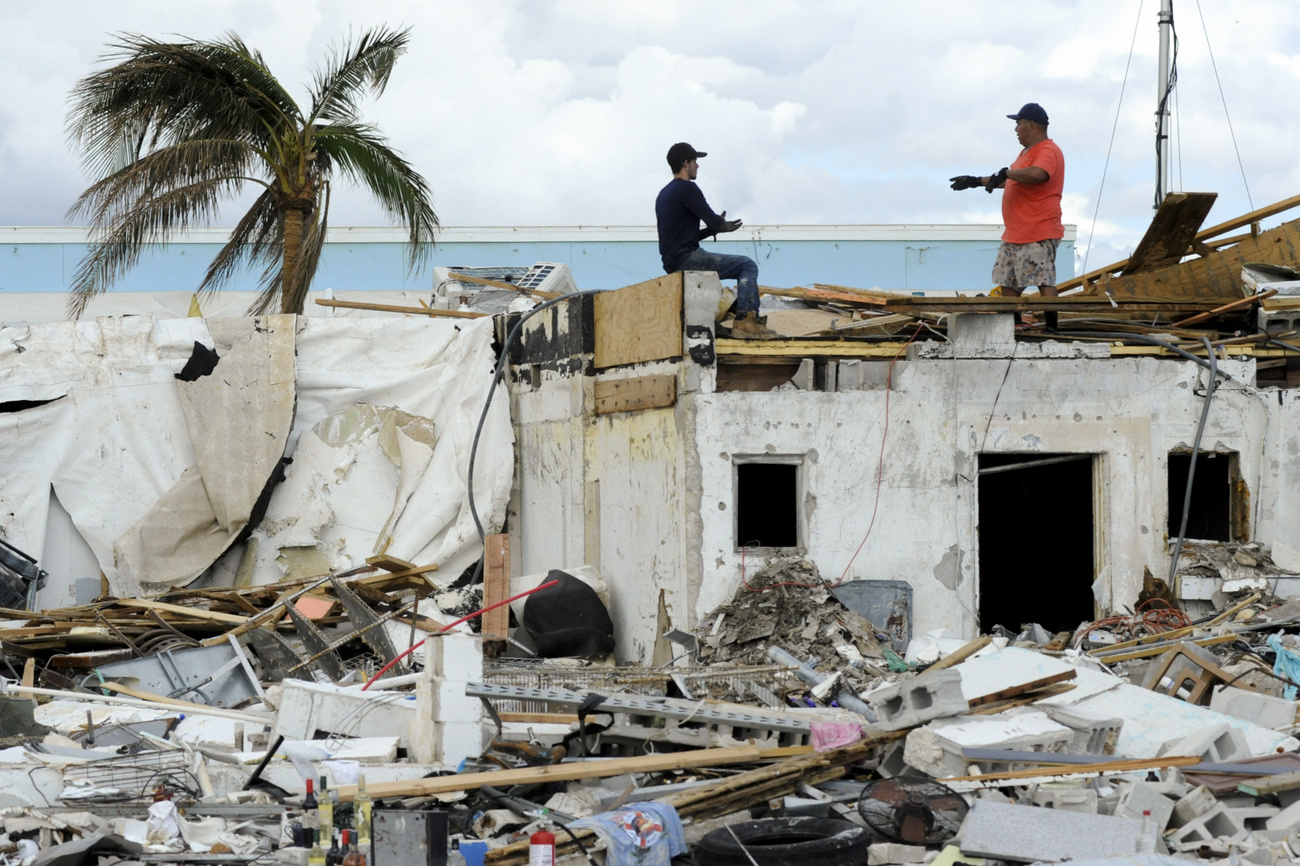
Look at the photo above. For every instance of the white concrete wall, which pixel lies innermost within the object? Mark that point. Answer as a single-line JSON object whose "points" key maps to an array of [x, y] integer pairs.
{"points": [[1130, 411]]}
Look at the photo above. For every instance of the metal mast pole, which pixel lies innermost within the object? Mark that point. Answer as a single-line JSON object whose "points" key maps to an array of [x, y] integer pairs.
{"points": [[1162, 103]]}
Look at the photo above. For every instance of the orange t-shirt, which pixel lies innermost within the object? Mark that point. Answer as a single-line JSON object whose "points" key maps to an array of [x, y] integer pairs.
{"points": [[1032, 211]]}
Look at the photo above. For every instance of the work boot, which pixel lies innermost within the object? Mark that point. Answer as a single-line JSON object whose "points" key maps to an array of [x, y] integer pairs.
{"points": [[752, 326]]}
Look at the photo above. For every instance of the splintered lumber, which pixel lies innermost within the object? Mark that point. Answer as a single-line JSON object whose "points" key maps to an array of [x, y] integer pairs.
{"points": [[962, 653], [1271, 784], [1022, 689], [179, 610], [1226, 308], [567, 772], [731, 794], [827, 294], [1102, 768], [393, 308]]}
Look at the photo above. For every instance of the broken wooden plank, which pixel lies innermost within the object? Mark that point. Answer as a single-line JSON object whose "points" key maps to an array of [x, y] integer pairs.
{"points": [[1271, 784], [631, 395], [180, 610], [393, 308], [500, 284], [567, 772], [1120, 766], [1023, 688], [496, 586], [1248, 218], [1148, 302], [1226, 308], [962, 653], [389, 563]]}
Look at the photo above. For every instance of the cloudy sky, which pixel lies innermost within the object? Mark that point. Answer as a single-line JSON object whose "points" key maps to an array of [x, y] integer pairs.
{"points": [[529, 112]]}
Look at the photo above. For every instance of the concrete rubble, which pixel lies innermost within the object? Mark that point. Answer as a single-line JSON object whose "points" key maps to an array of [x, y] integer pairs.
{"points": [[995, 748]]}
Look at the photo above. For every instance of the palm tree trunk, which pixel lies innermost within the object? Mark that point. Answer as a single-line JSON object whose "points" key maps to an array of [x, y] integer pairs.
{"points": [[293, 233]]}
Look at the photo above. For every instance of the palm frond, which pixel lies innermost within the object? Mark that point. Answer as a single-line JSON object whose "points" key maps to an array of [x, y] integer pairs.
{"points": [[357, 68], [365, 158], [115, 248], [258, 238], [163, 93]]}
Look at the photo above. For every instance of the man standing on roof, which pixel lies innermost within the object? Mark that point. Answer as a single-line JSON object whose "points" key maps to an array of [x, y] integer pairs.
{"points": [[1031, 208], [679, 209]]}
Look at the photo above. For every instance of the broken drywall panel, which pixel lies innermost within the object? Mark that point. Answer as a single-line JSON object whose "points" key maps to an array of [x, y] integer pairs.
{"points": [[1152, 719]]}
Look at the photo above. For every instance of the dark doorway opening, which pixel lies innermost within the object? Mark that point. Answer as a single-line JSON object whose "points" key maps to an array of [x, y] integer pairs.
{"points": [[767, 504], [1036, 540], [1210, 516]]}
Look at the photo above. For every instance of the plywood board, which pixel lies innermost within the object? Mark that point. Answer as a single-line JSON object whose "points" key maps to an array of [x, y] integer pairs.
{"points": [[630, 395], [496, 586], [1172, 230], [639, 323]]}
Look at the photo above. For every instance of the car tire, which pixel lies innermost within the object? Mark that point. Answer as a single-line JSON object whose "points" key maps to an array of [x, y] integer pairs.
{"points": [[786, 842]]}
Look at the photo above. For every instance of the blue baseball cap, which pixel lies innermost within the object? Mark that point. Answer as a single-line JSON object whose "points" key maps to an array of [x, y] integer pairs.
{"points": [[1032, 112]]}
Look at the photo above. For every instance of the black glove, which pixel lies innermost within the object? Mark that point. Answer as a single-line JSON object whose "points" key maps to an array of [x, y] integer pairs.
{"points": [[997, 180], [965, 181], [727, 225]]}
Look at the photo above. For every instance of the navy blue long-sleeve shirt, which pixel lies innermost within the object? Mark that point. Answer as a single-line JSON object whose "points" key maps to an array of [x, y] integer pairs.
{"points": [[679, 209]]}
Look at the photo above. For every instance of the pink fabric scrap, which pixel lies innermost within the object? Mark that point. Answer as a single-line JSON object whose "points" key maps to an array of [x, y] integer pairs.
{"points": [[832, 735]]}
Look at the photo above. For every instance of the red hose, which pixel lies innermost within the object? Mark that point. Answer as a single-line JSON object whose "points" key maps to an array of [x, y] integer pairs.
{"points": [[413, 647]]}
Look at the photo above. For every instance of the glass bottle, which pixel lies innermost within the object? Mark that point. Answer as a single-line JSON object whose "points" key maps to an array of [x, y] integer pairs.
{"points": [[454, 857], [361, 814], [310, 810], [326, 809], [334, 856], [316, 856], [350, 852]]}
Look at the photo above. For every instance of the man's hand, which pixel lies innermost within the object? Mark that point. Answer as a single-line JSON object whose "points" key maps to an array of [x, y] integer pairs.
{"points": [[727, 225], [965, 181], [997, 180]]}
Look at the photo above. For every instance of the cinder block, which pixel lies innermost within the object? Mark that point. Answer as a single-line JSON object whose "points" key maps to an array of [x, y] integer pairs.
{"points": [[919, 700], [983, 333], [1218, 823], [1219, 744], [1094, 734], [1029, 834], [891, 761], [1287, 819], [937, 748], [1193, 805], [1254, 707], [1069, 798], [885, 853], [1254, 817], [457, 741], [1139, 797]]}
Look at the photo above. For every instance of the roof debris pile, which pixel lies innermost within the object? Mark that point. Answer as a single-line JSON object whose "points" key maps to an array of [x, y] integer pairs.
{"points": [[224, 725], [1183, 285]]}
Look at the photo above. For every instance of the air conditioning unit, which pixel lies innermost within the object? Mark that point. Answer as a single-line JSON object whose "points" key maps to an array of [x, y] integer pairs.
{"points": [[450, 293], [548, 277]]}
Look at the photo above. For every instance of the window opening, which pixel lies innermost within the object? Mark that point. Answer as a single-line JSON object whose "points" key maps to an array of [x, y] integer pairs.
{"points": [[1210, 516], [767, 504], [1036, 540]]}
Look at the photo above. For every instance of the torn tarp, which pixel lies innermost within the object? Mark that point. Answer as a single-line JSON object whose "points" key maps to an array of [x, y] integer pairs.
{"points": [[162, 475]]}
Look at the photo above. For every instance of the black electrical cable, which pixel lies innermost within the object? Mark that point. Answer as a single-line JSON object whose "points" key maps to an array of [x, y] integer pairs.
{"points": [[1196, 450]]}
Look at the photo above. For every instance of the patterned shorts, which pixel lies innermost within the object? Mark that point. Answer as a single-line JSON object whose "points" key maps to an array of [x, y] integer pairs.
{"points": [[1021, 265]]}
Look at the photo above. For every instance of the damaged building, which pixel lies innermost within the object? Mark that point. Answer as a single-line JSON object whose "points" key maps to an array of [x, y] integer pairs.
{"points": [[530, 567]]}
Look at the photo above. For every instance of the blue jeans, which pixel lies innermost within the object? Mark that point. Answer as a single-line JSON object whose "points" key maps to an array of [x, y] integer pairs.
{"points": [[742, 269]]}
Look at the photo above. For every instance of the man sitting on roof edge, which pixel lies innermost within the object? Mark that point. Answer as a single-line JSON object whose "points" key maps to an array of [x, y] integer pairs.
{"points": [[679, 209]]}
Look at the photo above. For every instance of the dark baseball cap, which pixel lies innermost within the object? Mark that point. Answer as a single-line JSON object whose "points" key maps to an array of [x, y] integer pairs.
{"points": [[681, 153], [1032, 112]]}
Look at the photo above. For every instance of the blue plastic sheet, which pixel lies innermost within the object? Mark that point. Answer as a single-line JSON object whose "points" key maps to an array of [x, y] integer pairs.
{"points": [[1287, 665]]}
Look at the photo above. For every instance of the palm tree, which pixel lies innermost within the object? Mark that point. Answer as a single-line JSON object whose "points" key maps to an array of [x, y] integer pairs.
{"points": [[172, 129]]}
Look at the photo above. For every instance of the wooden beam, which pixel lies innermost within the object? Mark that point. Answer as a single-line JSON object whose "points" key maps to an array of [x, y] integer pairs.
{"points": [[496, 586], [1023, 688], [181, 610], [1233, 305], [630, 395], [498, 284], [391, 308], [601, 768], [1247, 219], [1270, 784], [1121, 766], [962, 653]]}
